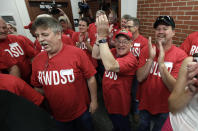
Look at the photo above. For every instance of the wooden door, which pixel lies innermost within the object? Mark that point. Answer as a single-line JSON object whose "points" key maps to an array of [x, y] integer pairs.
{"points": [[33, 7]]}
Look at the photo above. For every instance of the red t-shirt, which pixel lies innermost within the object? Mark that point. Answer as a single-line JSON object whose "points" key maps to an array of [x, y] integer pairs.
{"points": [[63, 78], [6, 61], [68, 32], [138, 44], [93, 30], [21, 51], [91, 38], [19, 87], [190, 45], [117, 85], [67, 40], [152, 92]]}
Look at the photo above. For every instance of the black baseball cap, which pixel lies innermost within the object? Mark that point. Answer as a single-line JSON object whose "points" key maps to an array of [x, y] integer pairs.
{"points": [[164, 20]]}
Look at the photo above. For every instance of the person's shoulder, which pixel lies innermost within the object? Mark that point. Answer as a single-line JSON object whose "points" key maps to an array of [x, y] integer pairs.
{"points": [[39, 56], [178, 51], [12, 37], [70, 48], [75, 34], [144, 39], [194, 34]]}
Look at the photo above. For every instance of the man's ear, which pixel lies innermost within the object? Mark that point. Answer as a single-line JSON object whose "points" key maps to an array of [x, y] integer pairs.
{"points": [[173, 32], [59, 35]]}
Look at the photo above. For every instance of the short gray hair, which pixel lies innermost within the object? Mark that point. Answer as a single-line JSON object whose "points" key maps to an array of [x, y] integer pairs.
{"points": [[47, 22]]}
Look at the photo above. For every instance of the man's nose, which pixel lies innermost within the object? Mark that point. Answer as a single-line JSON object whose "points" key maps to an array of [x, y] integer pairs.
{"points": [[40, 38]]}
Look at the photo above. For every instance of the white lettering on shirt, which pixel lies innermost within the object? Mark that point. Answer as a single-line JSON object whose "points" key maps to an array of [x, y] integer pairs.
{"points": [[194, 49], [111, 75], [136, 49], [15, 50], [155, 68], [56, 77]]}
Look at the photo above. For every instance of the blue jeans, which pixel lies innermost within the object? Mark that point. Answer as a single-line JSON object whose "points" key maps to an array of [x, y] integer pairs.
{"points": [[82, 123], [120, 122], [146, 118]]}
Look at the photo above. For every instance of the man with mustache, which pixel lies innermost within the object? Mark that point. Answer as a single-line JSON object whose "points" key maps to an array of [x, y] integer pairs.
{"points": [[65, 73], [18, 49], [157, 73]]}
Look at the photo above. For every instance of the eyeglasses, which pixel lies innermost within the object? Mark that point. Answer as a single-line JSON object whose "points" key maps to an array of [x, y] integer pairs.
{"points": [[124, 42], [128, 26]]}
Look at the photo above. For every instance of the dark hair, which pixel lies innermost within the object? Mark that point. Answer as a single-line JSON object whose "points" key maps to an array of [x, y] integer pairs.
{"points": [[47, 22], [85, 19], [126, 17], [135, 20], [164, 20]]}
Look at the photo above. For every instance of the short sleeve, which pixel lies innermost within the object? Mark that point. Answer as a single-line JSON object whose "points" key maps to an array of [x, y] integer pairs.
{"points": [[85, 65], [127, 64]]}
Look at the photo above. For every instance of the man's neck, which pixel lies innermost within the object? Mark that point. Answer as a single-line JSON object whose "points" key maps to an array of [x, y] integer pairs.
{"points": [[135, 35], [50, 55]]}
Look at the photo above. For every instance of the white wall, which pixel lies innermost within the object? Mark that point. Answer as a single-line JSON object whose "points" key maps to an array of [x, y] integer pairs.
{"points": [[129, 7], [18, 9], [74, 5]]}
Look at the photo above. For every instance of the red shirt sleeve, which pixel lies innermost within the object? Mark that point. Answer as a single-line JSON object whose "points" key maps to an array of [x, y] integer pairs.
{"points": [[186, 45], [127, 63], [29, 93]]}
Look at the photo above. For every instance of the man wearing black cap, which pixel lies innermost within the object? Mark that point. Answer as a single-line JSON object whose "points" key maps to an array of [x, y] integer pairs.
{"points": [[120, 66], [157, 72]]}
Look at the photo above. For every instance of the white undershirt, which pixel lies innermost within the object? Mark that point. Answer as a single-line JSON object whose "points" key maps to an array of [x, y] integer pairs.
{"points": [[186, 119]]}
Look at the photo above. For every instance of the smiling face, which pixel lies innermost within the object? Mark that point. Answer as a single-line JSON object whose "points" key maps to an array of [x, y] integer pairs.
{"points": [[49, 40], [122, 45], [3, 29], [123, 23], [83, 26], [164, 34], [131, 27]]}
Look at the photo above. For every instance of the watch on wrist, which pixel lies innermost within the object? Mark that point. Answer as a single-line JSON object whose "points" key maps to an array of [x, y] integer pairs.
{"points": [[102, 41]]}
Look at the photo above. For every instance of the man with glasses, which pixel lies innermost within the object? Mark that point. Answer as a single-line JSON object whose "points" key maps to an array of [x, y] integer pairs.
{"points": [[120, 66], [157, 72], [138, 42]]}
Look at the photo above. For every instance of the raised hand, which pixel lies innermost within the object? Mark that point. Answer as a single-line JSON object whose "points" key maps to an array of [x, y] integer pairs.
{"points": [[102, 26], [161, 54], [152, 49], [61, 11]]}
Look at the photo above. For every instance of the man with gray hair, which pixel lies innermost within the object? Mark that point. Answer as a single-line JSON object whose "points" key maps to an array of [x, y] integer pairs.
{"points": [[64, 71]]}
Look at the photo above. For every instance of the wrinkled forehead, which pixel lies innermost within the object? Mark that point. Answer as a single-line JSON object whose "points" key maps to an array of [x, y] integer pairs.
{"points": [[41, 29]]}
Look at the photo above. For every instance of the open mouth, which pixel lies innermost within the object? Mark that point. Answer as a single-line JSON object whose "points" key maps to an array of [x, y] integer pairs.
{"points": [[44, 44]]}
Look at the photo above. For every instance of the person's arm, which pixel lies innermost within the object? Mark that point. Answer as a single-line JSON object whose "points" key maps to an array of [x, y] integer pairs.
{"points": [[184, 89], [92, 85], [143, 72], [167, 78], [96, 51], [108, 60], [14, 70]]}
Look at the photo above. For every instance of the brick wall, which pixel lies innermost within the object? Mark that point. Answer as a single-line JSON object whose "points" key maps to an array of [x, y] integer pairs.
{"points": [[184, 12]]}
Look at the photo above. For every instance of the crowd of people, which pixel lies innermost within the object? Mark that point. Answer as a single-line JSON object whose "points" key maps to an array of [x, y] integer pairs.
{"points": [[59, 73]]}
